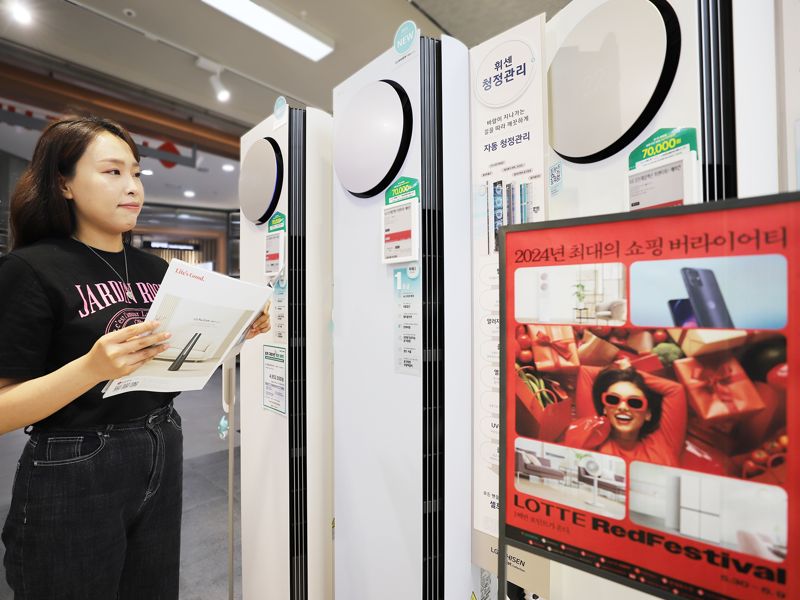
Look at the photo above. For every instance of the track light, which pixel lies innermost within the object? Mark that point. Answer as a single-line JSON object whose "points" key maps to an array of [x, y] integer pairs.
{"points": [[223, 95]]}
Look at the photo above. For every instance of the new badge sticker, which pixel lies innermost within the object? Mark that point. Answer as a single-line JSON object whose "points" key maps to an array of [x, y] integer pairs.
{"points": [[404, 37]]}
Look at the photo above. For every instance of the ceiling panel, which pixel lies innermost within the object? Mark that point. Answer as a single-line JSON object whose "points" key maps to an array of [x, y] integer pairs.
{"points": [[361, 30], [475, 21]]}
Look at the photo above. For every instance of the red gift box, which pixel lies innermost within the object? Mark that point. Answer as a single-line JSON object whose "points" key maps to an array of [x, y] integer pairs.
{"points": [[554, 348], [640, 341], [700, 456], [718, 388], [542, 415], [595, 351], [649, 363], [754, 431], [719, 436], [699, 342]]}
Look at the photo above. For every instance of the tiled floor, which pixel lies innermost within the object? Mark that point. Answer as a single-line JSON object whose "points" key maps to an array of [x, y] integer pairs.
{"points": [[204, 537]]}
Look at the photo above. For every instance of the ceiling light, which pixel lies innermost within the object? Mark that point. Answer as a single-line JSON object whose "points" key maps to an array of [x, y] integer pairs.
{"points": [[21, 13], [223, 94], [147, 172], [188, 194], [293, 35], [228, 168]]}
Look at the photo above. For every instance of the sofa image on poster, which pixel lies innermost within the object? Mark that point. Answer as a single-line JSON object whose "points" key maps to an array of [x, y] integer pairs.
{"points": [[591, 294], [584, 480]]}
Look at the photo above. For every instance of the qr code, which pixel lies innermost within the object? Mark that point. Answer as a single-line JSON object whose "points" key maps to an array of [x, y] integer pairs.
{"points": [[555, 174]]}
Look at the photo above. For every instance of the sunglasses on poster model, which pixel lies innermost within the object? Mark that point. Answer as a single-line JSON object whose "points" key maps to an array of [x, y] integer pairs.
{"points": [[634, 402]]}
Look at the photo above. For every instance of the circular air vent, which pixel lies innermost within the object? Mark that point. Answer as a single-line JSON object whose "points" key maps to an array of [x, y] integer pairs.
{"points": [[261, 180], [371, 138]]}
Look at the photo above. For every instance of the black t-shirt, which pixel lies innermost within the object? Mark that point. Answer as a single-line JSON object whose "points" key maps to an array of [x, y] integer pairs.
{"points": [[56, 299]]}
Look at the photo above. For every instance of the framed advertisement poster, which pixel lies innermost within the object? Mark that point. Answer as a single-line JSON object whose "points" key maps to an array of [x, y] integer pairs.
{"points": [[646, 408]]}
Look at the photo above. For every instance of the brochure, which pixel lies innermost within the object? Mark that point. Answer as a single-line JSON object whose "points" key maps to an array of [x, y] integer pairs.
{"points": [[208, 315]]}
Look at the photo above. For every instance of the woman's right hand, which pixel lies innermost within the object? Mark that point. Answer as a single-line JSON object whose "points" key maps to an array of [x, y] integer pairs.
{"points": [[121, 352]]}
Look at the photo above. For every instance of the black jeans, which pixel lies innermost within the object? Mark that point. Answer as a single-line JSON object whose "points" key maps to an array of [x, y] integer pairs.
{"points": [[96, 514]]}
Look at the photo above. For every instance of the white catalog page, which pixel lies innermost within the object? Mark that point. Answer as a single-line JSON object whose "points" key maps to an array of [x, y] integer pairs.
{"points": [[208, 315]]}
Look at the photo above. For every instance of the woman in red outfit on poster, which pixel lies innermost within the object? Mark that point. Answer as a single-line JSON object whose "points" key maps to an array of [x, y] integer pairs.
{"points": [[639, 416]]}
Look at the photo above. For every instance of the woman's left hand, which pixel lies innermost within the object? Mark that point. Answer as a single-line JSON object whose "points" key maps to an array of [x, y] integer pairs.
{"points": [[261, 325]]}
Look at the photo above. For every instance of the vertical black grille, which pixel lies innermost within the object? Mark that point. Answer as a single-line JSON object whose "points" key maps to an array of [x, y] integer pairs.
{"points": [[432, 230], [296, 261], [718, 118]]}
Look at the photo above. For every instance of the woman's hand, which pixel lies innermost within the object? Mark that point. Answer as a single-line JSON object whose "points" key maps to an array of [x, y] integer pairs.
{"points": [[260, 325], [121, 352]]}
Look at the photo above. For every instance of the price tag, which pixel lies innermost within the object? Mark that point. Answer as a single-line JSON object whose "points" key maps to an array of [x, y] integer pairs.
{"points": [[274, 398]]}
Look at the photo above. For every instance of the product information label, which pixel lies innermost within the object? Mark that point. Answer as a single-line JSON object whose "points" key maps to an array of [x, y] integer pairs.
{"points": [[275, 379], [273, 253], [408, 322], [658, 186], [280, 312], [400, 231]]}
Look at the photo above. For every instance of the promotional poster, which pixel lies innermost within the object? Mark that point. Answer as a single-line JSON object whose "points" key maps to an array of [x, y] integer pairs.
{"points": [[647, 405]]}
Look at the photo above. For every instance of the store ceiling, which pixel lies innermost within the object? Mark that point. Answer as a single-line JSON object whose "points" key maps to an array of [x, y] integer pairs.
{"points": [[143, 50], [97, 34]]}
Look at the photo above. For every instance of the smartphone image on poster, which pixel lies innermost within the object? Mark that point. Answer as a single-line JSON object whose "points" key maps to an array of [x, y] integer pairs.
{"points": [[706, 298], [497, 197], [682, 312]]}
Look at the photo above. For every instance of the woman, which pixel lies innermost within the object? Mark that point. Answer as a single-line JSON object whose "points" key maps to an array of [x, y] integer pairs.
{"points": [[96, 501], [643, 415]]}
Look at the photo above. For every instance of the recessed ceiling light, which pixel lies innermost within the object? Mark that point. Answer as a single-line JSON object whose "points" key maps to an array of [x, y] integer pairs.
{"points": [[293, 35], [147, 172], [21, 13], [228, 168], [188, 193]]}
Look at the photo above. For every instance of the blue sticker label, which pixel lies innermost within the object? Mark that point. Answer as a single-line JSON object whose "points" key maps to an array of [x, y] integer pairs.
{"points": [[280, 107], [404, 37]]}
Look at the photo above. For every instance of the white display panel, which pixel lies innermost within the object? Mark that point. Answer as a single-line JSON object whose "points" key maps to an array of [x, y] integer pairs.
{"points": [[377, 412], [381, 534], [265, 434], [265, 474]]}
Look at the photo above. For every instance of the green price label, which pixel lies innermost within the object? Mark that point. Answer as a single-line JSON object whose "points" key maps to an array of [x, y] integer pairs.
{"points": [[277, 222], [663, 141], [404, 188]]}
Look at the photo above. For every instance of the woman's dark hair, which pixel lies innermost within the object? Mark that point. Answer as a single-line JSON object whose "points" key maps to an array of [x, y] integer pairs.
{"points": [[38, 208], [608, 377]]}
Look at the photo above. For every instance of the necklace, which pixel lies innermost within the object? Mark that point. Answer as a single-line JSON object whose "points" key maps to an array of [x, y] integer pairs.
{"points": [[128, 292]]}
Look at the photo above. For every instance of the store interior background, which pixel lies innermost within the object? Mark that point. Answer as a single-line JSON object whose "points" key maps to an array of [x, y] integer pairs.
{"points": [[137, 61]]}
